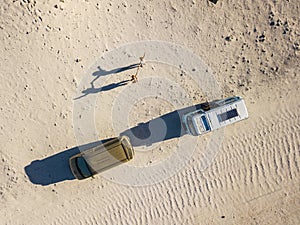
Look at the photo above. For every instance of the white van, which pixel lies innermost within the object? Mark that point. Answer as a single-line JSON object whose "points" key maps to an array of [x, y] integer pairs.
{"points": [[218, 114]]}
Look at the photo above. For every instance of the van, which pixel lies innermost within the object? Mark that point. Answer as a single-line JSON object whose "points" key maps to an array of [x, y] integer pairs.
{"points": [[102, 157], [215, 115]]}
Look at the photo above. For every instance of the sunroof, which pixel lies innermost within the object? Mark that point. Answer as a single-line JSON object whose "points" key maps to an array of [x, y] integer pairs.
{"points": [[227, 115]]}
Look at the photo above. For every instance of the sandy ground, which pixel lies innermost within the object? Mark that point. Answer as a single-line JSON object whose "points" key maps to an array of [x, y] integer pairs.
{"points": [[252, 47]]}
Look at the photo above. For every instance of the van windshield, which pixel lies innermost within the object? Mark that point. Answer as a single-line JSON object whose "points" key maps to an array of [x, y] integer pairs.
{"points": [[205, 123]]}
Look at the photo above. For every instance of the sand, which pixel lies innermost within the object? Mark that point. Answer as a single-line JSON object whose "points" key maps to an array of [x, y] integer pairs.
{"points": [[49, 48]]}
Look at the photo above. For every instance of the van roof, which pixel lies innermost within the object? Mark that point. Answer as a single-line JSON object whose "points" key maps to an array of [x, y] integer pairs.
{"points": [[227, 114], [110, 153]]}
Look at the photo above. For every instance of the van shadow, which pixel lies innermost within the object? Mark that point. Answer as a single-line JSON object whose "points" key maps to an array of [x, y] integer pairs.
{"points": [[162, 128], [55, 169]]}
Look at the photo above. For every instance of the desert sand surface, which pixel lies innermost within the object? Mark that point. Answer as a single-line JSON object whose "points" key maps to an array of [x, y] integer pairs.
{"points": [[48, 48]]}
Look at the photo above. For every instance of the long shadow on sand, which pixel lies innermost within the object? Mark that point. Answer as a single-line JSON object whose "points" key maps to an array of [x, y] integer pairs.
{"points": [[56, 168], [100, 73], [162, 128], [93, 90]]}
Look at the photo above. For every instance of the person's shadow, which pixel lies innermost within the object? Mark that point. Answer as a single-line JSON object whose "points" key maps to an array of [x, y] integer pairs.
{"points": [[93, 90], [101, 72], [55, 168]]}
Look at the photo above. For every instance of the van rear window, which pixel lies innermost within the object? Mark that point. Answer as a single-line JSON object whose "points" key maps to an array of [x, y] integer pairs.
{"points": [[227, 115], [83, 167]]}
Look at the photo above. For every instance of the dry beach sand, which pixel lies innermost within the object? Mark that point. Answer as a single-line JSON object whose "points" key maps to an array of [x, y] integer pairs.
{"points": [[47, 49]]}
